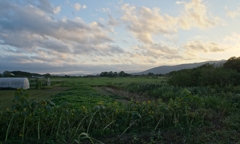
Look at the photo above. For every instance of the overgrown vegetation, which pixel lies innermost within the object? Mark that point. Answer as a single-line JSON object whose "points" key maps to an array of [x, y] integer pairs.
{"points": [[208, 75], [233, 63]]}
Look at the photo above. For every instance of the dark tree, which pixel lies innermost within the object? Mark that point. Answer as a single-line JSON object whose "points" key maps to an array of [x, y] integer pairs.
{"points": [[150, 74], [47, 75], [205, 75], [122, 74], [114, 74], [25, 74], [233, 63], [7, 74]]}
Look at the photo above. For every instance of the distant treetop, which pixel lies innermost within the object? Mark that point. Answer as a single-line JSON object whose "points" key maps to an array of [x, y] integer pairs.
{"points": [[233, 63]]}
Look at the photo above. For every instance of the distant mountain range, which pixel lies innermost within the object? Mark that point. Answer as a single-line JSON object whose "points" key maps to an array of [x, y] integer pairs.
{"points": [[167, 69]]}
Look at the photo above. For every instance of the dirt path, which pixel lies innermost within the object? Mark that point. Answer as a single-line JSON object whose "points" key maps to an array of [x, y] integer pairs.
{"points": [[126, 96]]}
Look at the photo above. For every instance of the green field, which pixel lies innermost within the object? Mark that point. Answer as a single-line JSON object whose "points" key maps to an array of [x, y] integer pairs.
{"points": [[120, 110], [6, 96], [61, 84]]}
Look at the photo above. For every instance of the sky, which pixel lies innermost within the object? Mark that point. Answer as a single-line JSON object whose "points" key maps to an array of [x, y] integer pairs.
{"points": [[92, 36]]}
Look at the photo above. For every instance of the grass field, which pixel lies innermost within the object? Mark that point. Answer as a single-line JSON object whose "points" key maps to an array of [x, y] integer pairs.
{"points": [[61, 84], [101, 81], [121, 110]]}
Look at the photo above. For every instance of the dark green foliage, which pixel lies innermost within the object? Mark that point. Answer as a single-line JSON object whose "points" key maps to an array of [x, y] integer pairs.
{"points": [[206, 75], [233, 63], [114, 74], [150, 74], [24, 74], [7, 74], [38, 83], [47, 75]]}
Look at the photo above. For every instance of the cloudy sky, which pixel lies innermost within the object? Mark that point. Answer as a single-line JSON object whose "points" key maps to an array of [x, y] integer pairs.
{"points": [[91, 36]]}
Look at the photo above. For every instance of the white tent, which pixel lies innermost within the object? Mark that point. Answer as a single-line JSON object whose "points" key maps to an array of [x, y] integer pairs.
{"points": [[14, 83]]}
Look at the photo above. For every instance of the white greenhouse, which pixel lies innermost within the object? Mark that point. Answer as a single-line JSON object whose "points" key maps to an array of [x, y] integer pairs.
{"points": [[14, 83]]}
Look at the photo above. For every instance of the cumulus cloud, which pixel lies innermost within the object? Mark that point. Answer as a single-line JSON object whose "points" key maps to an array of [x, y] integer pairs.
{"points": [[84, 7], [77, 6], [195, 14], [229, 43], [180, 2], [57, 9], [31, 34], [144, 22], [200, 46]]}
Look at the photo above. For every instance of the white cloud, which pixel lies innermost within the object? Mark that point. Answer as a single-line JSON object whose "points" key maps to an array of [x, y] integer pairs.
{"points": [[228, 44], [195, 14], [233, 14], [79, 19], [57, 9], [105, 10], [84, 7], [180, 2], [64, 19], [49, 39], [77, 6], [144, 22], [200, 46]]}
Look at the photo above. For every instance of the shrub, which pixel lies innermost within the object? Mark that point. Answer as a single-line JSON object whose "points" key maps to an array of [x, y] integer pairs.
{"points": [[205, 75]]}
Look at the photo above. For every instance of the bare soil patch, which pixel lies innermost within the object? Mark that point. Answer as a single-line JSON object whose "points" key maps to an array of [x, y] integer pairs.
{"points": [[126, 96]]}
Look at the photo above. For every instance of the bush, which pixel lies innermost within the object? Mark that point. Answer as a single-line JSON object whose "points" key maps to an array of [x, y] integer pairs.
{"points": [[205, 75], [38, 84]]}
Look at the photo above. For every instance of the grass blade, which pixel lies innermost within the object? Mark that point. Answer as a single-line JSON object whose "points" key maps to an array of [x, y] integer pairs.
{"points": [[9, 125], [107, 126]]}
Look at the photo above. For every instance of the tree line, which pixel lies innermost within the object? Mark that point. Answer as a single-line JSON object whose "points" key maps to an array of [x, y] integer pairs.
{"points": [[22, 74], [208, 75], [114, 74]]}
